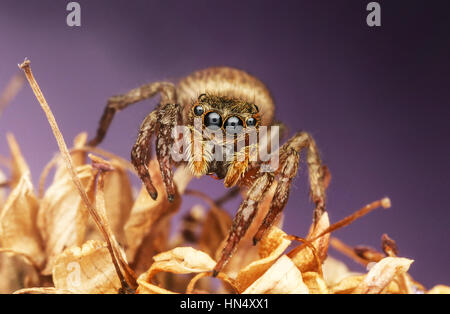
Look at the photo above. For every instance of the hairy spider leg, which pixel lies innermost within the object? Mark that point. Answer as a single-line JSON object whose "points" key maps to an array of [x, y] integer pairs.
{"points": [[290, 156]]}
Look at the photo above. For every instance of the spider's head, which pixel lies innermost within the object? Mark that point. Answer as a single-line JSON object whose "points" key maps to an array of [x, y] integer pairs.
{"points": [[231, 115], [226, 123]]}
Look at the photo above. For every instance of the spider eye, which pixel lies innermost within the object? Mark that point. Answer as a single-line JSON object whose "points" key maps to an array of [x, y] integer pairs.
{"points": [[233, 125], [213, 120], [251, 122], [202, 97], [198, 110]]}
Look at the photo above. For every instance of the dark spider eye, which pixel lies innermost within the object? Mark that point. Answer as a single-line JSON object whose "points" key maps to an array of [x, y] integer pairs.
{"points": [[198, 110], [213, 120], [251, 122], [233, 125]]}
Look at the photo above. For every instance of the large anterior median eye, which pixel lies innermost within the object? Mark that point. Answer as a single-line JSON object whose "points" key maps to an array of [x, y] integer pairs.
{"points": [[213, 120], [233, 125]]}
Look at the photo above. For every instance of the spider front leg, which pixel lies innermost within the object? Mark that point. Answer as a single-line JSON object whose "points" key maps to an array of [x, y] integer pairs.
{"points": [[244, 217], [160, 122], [289, 156], [117, 103]]}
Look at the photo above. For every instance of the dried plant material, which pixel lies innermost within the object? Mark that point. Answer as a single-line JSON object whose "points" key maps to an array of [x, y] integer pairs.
{"points": [[18, 164], [126, 275], [3, 183], [439, 289], [222, 276], [315, 283], [146, 212], [384, 203], [35, 232], [382, 273], [182, 177], [343, 248], [48, 290], [78, 153], [181, 260], [16, 272], [124, 163], [347, 285], [118, 199], [304, 256], [388, 245], [18, 230], [215, 228], [190, 226], [368, 254], [334, 271], [154, 242], [78, 156], [11, 90], [25, 66], [272, 245], [62, 218], [246, 252], [147, 288], [86, 269], [283, 277]]}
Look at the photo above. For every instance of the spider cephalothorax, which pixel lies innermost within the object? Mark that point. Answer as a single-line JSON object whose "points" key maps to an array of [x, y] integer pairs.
{"points": [[220, 109]]}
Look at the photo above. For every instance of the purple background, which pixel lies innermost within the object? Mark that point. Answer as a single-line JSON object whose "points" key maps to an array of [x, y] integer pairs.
{"points": [[375, 99]]}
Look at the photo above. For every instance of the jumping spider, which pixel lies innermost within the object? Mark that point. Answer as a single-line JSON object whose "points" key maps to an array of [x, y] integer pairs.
{"points": [[221, 97]]}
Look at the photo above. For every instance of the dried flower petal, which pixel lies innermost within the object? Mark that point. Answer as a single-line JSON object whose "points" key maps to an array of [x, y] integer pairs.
{"points": [[315, 283], [283, 277], [382, 273], [222, 276], [439, 289], [303, 256], [126, 275], [334, 271], [147, 212], [347, 285], [78, 156], [215, 228], [86, 269], [148, 288], [18, 230], [63, 217], [118, 199], [16, 272], [18, 164], [272, 245], [49, 290], [181, 260]]}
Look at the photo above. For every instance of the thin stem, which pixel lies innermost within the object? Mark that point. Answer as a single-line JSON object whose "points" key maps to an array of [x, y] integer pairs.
{"points": [[25, 66], [385, 203]]}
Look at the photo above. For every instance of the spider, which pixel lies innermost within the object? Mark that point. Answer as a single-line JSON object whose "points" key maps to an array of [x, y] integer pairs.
{"points": [[222, 98]]}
